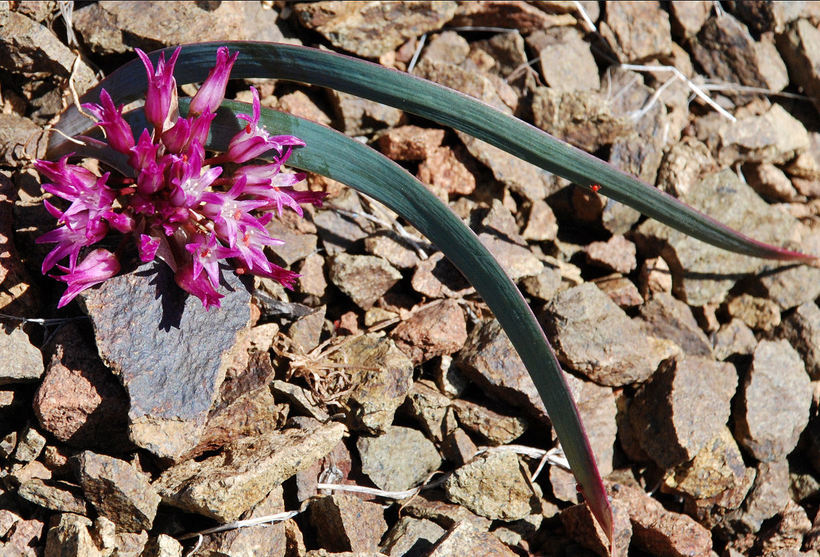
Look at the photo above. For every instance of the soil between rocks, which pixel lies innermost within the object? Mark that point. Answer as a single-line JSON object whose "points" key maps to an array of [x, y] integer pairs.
{"points": [[130, 420]]}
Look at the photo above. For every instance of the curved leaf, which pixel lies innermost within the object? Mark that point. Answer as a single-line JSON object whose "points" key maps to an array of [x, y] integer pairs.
{"points": [[443, 105]]}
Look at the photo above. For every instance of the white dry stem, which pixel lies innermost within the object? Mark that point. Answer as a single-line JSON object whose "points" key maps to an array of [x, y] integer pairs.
{"points": [[588, 23], [45, 322], [398, 495], [237, 524], [417, 53], [67, 13], [697, 90], [554, 456]]}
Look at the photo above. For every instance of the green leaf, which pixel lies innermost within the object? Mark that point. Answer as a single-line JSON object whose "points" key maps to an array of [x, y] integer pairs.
{"points": [[341, 158], [442, 105]]}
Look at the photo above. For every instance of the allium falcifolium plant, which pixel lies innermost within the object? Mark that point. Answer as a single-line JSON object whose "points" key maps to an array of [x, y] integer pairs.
{"points": [[181, 206], [193, 211]]}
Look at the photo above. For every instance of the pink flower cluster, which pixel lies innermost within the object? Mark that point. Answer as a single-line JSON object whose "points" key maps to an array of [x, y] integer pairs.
{"points": [[180, 206]]}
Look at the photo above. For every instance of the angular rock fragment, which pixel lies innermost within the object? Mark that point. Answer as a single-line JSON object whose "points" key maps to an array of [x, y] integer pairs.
{"points": [[594, 337], [364, 278], [118, 491], [702, 274], [637, 31], [666, 317], [770, 182], [371, 29], [165, 546], [118, 27], [769, 494], [411, 536], [29, 445], [517, 261], [410, 143], [432, 409], [436, 277], [582, 118], [466, 539], [596, 405], [659, 531], [226, 485], [800, 46], [297, 246], [396, 252], [458, 448], [495, 428], [567, 63], [785, 536], [312, 276], [688, 16], [492, 485], [448, 171], [400, 458], [616, 254], [270, 542], [511, 15], [337, 231], [381, 376], [683, 407], [172, 355], [489, 360], [792, 285], [358, 116], [22, 361], [734, 337], [584, 528], [56, 496], [432, 331], [79, 401], [444, 514], [774, 402], [69, 535], [716, 468], [346, 523], [802, 329], [758, 313], [620, 290], [726, 51]]}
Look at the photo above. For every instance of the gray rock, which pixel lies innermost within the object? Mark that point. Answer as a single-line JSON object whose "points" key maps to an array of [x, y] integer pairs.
{"points": [[444, 514], [400, 458], [299, 398], [270, 542], [116, 27], [364, 278], [616, 254], [337, 231], [758, 313], [118, 491], [594, 337], [685, 405], [436, 330], [802, 329], [373, 28], [55, 496], [395, 252], [358, 116], [493, 486], [466, 539], [306, 331], [381, 376], [701, 273], [225, 485], [23, 362], [411, 537], [688, 16], [458, 448], [432, 409], [493, 427], [523, 17], [346, 523], [436, 277], [734, 337], [637, 31], [768, 496], [490, 361], [517, 261], [172, 356], [666, 317], [774, 402], [726, 51], [29, 445], [448, 47], [297, 246], [69, 535], [800, 46], [716, 468], [582, 118], [566, 60], [165, 546]]}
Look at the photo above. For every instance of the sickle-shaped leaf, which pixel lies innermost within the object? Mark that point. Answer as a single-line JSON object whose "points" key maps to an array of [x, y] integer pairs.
{"points": [[440, 104]]}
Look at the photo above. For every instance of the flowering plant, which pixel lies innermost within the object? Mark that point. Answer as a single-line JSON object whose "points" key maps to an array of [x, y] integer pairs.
{"points": [[189, 210], [193, 212]]}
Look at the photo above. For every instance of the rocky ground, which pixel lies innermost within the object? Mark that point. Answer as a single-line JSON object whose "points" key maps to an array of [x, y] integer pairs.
{"points": [[694, 370]]}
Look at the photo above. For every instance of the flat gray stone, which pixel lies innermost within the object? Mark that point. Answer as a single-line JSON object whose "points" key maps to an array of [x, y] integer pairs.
{"points": [[400, 458], [168, 351], [22, 361]]}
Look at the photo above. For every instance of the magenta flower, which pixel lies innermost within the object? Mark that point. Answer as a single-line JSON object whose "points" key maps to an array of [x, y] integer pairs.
{"points": [[162, 89], [178, 206], [98, 266], [212, 92]]}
